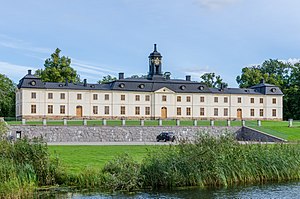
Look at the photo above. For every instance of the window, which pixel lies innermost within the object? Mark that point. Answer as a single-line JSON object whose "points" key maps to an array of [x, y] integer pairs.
{"points": [[33, 95], [188, 98], [106, 97], [50, 109], [215, 111], [201, 111], [225, 111], [122, 97], [274, 101], [201, 99], [188, 111], [252, 100], [62, 96], [122, 110], [137, 110], [147, 110], [261, 100], [106, 110], [137, 98], [216, 99], [178, 111], [252, 112], [95, 96], [225, 99], [164, 98], [261, 112], [50, 95], [239, 99], [33, 108], [95, 109], [178, 98], [79, 96], [62, 109], [274, 112], [147, 98]]}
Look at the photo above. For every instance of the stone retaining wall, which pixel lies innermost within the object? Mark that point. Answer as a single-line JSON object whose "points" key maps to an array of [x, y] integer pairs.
{"points": [[113, 134]]}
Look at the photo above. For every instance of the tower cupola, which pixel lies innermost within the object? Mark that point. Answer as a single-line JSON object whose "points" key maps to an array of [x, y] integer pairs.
{"points": [[155, 69]]}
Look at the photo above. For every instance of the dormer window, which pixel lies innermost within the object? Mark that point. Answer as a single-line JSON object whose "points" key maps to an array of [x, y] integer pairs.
{"points": [[121, 85], [273, 90], [141, 86], [182, 87], [32, 83], [201, 88]]}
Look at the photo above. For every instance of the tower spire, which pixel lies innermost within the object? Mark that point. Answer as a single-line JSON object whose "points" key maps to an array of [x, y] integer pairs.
{"points": [[155, 48]]}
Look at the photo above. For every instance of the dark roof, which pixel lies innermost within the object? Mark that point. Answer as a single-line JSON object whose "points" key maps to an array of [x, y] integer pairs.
{"points": [[267, 89]]}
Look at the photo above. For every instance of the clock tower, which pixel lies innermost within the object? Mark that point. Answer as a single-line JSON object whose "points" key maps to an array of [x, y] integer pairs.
{"points": [[155, 65]]}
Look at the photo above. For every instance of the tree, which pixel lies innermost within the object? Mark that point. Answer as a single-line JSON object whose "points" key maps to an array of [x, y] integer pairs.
{"points": [[58, 69], [107, 79], [7, 97], [212, 80]]}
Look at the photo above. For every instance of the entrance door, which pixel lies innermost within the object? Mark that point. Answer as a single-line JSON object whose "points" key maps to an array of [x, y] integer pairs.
{"points": [[163, 112], [239, 113], [78, 111]]}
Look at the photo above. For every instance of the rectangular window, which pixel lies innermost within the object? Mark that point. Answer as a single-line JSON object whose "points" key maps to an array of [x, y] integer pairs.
{"points": [[261, 112], [225, 99], [147, 98], [178, 111], [164, 98], [252, 100], [95, 109], [216, 99], [122, 97], [147, 110], [106, 97], [95, 96], [216, 112], [201, 99], [261, 100], [50, 109], [225, 111], [50, 95], [178, 98], [106, 110], [79, 96], [122, 110], [62, 109], [252, 112], [201, 111], [137, 110], [274, 101], [239, 99], [33, 108], [137, 98], [188, 98], [33, 95], [188, 111], [62, 96], [274, 112]]}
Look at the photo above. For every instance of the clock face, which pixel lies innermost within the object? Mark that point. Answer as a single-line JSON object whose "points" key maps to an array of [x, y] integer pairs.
{"points": [[156, 61]]}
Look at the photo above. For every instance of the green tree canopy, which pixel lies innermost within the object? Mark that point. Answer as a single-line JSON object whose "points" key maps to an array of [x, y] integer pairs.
{"points": [[212, 80], [58, 69], [107, 79], [7, 97]]}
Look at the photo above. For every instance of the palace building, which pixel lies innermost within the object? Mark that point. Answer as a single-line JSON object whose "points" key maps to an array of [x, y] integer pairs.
{"points": [[152, 97]]}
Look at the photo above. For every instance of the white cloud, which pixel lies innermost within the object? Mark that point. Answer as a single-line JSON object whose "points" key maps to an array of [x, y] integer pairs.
{"points": [[215, 4]]}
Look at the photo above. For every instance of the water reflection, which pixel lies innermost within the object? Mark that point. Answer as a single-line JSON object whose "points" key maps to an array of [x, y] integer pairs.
{"points": [[284, 190]]}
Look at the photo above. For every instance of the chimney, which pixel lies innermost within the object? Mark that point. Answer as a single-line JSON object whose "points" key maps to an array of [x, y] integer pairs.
{"points": [[66, 84], [29, 72], [121, 75], [262, 81], [84, 83], [188, 78], [222, 87]]}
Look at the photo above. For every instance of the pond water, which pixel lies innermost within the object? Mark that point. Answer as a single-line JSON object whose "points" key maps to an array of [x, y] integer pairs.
{"points": [[283, 190]]}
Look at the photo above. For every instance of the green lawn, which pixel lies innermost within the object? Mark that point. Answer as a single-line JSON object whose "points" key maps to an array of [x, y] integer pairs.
{"points": [[76, 158]]}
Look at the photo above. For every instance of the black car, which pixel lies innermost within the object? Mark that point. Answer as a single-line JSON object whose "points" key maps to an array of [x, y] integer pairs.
{"points": [[166, 136]]}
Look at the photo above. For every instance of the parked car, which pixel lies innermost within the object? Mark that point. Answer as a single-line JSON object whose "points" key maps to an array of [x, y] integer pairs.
{"points": [[165, 136]]}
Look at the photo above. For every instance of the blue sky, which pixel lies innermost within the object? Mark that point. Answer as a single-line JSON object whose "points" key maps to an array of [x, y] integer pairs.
{"points": [[106, 37]]}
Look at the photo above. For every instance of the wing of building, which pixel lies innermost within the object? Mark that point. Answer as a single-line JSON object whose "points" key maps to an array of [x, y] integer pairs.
{"points": [[155, 96]]}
